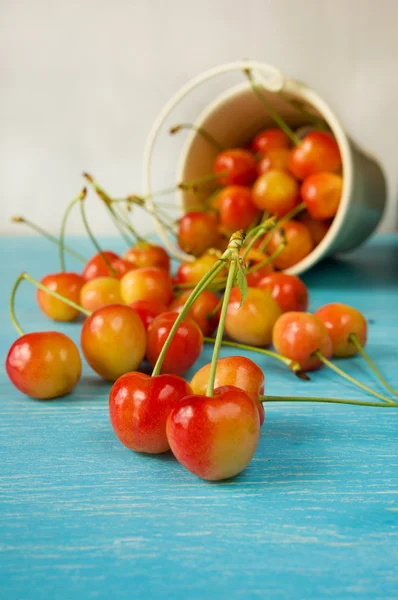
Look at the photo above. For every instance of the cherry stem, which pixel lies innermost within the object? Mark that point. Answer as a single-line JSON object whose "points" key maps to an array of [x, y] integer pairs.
{"points": [[26, 277], [271, 112], [274, 256], [61, 244], [293, 365], [342, 373], [90, 234], [215, 310], [233, 267], [265, 399], [288, 217], [201, 131], [257, 232], [49, 236], [317, 121], [353, 338]]}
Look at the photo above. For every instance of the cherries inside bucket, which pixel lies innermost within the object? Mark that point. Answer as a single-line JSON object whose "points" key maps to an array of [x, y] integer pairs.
{"points": [[269, 205]]}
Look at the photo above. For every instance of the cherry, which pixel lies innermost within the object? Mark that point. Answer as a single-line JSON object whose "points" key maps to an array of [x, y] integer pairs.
{"points": [[97, 267], [253, 258], [289, 291], [274, 159], [121, 266], [214, 437], [185, 348], [139, 406], [237, 371], [252, 323], [205, 311], [113, 341], [148, 283], [298, 244], [147, 310], [198, 231], [100, 292], [66, 284], [235, 167], [321, 194], [317, 229], [236, 208], [298, 335], [276, 192], [270, 139], [318, 151], [193, 271], [44, 364], [144, 254], [342, 322]]}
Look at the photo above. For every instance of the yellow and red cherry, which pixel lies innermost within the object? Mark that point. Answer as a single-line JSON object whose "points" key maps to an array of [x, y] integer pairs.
{"points": [[145, 254], [214, 437], [298, 244], [276, 192], [297, 335], [97, 267], [255, 257], [65, 284], [201, 311], [100, 292], [251, 323], [185, 348], [238, 371], [236, 208], [113, 341], [317, 229], [148, 283], [318, 151], [235, 167], [139, 406], [341, 321], [197, 232], [194, 271], [289, 291], [321, 194], [147, 310], [270, 139], [274, 159], [44, 365]]}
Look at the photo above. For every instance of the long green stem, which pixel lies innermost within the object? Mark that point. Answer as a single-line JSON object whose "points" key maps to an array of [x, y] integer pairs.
{"points": [[49, 236], [61, 244], [201, 131], [354, 339], [94, 241], [233, 267], [26, 277], [288, 217], [342, 373], [265, 399], [270, 259], [271, 112], [293, 365], [257, 232], [313, 118]]}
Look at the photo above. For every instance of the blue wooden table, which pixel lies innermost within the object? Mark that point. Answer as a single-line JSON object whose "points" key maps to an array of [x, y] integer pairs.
{"points": [[314, 516]]}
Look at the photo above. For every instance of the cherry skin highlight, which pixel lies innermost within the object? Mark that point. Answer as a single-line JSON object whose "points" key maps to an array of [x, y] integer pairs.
{"points": [[147, 310], [270, 139], [113, 341], [276, 192], [297, 335], [251, 323], [317, 152], [185, 348], [148, 283], [143, 254], [197, 232], [341, 321], [201, 310], [238, 167], [66, 284], [44, 365], [298, 244], [139, 406], [214, 438], [100, 292], [289, 291]]}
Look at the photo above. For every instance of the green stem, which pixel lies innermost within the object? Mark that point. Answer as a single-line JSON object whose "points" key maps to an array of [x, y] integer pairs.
{"points": [[257, 232], [61, 244], [49, 236], [342, 373], [271, 112], [265, 399], [205, 134], [94, 241], [26, 277], [233, 267], [353, 338], [290, 215], [294, 366], [314, 119], [215, 310], [271, 258]]}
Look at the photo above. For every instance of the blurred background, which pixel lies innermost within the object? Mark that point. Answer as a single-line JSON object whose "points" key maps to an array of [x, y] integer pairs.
{"points": [[82, 82]]}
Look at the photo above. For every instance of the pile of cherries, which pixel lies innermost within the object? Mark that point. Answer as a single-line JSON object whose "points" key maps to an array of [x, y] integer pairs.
{"points": [[137, 313]]}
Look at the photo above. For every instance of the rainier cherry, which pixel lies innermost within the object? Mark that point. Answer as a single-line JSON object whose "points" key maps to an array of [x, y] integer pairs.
{"points": [[147, 310], [201, 311], [100, 292], [274, 159], [343, 321], [298, 244], [148, 283], [235, 167], [97, 267], [253, 258], [44, 365], [139, 406], [66, 284], [317, 229], [197, 231], [276, 192], [289, 291], [193, 271], [317, 152], [236, 208], [321, 194], [270, 139], [144, 254]]}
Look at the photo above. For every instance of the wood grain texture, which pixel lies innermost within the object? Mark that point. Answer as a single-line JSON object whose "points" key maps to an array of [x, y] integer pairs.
{"points": [[315, 515]]}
